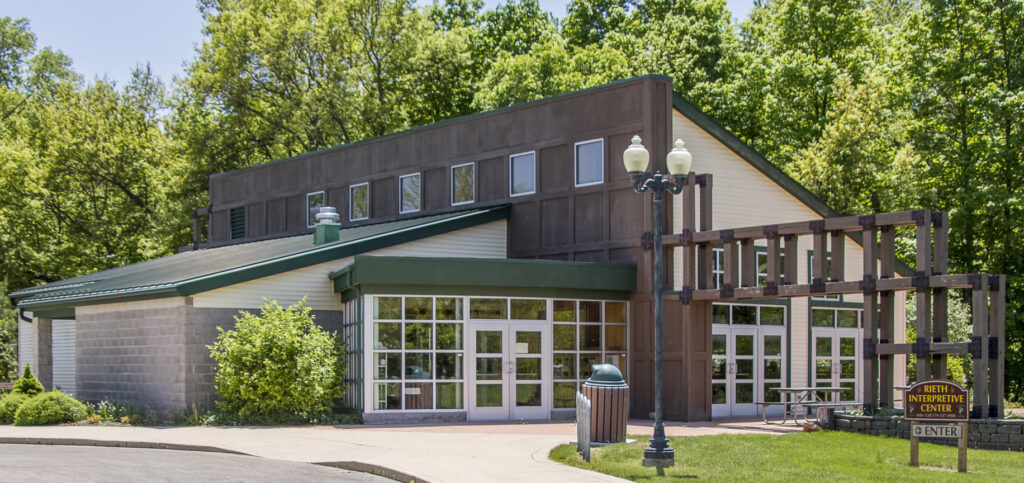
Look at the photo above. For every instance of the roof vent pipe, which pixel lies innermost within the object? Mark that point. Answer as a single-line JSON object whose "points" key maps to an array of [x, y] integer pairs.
{"points": [[327, 226]]}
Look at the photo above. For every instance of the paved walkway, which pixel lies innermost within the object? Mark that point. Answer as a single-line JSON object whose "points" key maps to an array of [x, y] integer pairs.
{"points": [[465, 452]]}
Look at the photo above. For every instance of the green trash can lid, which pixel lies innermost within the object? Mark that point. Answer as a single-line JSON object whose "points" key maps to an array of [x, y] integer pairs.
{"points": [[605, 375]]}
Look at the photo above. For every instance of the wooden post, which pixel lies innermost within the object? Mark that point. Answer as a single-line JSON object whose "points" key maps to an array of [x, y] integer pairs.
{"points": [[961, 449], [924, 315], [730, 260], [979, 307], [706, 279], [838, 265], [774, 259], [689, 227], [869, 367], [940, 313], [748, 263], [914, 441], [792, 249], [997, 331], [887, 306], [818, 272]]}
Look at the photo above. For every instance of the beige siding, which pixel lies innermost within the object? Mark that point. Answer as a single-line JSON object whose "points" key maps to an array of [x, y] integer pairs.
{"points": [[64, 356], [483, 241], [743, 196]]}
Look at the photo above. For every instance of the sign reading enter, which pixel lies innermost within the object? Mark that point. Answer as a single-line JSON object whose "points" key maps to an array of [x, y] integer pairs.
{"points": [[936, 431]]}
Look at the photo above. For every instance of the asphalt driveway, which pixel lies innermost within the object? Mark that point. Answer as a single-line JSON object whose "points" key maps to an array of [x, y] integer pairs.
{"points": [[33, 462]]}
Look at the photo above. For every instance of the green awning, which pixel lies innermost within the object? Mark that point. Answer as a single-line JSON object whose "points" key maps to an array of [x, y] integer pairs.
{"points": [[484, 276]]}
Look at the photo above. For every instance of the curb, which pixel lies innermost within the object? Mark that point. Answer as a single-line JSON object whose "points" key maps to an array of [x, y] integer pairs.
{"points": [[345, 465]]}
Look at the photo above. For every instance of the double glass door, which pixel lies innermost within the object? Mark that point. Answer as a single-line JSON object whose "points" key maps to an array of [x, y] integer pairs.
{"points": [[747, 364], [836, 353], [509, 371]]}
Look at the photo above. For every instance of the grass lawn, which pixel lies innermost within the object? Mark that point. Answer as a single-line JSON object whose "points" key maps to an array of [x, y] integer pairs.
{"points": [[819, 456]]}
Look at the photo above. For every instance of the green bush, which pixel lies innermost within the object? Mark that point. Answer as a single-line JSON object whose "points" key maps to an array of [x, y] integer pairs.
{"points": [[28, 384], [9, 405], [277, 365], [50, 408]]}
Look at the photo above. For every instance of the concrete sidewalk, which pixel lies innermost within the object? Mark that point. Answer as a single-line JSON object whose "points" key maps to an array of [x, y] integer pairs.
{"points": [[465, 452]]}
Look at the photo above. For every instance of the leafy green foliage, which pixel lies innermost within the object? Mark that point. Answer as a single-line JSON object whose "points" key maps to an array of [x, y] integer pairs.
{"points": [[52, 407], [8, 337], [277, 364], [27, 384], [9, 405]]}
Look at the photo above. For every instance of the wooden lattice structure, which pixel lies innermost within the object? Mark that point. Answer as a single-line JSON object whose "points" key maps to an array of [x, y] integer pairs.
{"points": [[879, 285]]}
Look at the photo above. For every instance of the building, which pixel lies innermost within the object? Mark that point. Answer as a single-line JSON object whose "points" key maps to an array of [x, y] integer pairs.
{"points": [[481, 265]]}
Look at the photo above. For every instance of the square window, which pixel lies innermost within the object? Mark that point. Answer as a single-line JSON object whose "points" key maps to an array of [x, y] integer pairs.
{"points": [[590, 162], [387, 307], [313, 203], [615, 312], [823, 318], [488, 308], [419, 395], [590, 311], [615, 338], [590, 337], [744, 315], [359, 202], [522, 174], [389, 365], [847, 318], [409, 193], [587, 362], [449, 336], [417, 365], [418, 308], [564, 311], [565, 337], [387, 336], [529, 309], [565, 394], [449, 365], [463, 178], [772, 316], [449, 308], [720, 314], [417, 335], [388, 396], [449, 395], [564, 366]]}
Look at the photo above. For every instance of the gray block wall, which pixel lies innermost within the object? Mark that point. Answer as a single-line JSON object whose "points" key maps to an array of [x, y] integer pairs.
{"points": [[154, 358], [1002, 434]]}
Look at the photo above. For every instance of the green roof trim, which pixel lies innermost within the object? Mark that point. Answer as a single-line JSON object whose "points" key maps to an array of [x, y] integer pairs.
{"points": [[485, 276], [766, 167], [198, 271]]}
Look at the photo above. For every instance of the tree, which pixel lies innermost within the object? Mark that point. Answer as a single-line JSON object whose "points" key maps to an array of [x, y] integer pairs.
{"points": [[8, 338], [277, 364]]}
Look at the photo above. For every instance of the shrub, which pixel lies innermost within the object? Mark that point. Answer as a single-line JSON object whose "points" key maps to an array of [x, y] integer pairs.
{"points": [[10, 404], [277, 364], [28, 384], [50, 408]]}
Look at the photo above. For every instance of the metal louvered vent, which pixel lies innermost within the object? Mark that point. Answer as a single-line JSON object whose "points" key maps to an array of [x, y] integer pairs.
{"points": [[238, 222]]}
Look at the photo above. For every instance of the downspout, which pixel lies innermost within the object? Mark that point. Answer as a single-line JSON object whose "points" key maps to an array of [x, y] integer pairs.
{"points": [[21, 315]]}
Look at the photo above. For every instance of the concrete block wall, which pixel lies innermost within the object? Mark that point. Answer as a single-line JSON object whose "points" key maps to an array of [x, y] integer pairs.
{"points": [[1001, 434], [154, 354], [132, 353]]}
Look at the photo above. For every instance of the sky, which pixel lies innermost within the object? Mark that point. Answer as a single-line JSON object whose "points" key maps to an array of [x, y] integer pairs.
{"points": [[109, 38]]}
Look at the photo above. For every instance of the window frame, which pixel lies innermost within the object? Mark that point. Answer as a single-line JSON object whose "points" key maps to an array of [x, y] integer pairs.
{"points": [[323, 202], [511, 171], [576, 163], [419, 195], [451, 191], [351, 188]]}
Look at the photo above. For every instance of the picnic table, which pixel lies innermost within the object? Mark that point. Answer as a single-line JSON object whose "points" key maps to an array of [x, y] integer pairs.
{"points": [[803, 398]]}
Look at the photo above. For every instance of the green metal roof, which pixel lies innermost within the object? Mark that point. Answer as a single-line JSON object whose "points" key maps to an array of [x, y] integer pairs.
{"points": [[484, 276], [198, 271]]}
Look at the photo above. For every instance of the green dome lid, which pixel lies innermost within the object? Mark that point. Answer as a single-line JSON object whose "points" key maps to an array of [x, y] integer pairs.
{"points": [[606, 375]]}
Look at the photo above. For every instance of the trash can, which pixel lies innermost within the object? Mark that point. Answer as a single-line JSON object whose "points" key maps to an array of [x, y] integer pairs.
{"points": [[609, 402]]}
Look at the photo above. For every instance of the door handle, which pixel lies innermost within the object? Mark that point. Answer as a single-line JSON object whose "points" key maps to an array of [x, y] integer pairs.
{"points": [[732, 368]]}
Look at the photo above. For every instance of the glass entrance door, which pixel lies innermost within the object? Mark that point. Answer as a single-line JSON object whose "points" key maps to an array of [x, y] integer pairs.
{"points": [[509, 372], [836, 353], [734, 371]]}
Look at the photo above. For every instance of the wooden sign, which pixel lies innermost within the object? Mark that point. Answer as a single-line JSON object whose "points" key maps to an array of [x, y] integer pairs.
{"points": [[936, 401]]}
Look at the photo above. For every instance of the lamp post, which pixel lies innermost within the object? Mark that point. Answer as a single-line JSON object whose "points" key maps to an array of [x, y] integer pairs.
{"points": [[635, 158]]}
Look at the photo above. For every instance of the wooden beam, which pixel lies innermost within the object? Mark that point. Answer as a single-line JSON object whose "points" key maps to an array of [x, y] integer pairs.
{"points": [[689, 228], [820, 258], [922, 295], [934, 348], [705, 202], [869, 366], [889, 285], [940, 311], [887, 251], [979, 309], [886, 335], [705, 258], [898, 218], [730, 262]]}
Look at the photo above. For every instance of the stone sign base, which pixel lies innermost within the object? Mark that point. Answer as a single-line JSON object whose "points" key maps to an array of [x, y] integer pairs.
{"points": [[1001, 434]]}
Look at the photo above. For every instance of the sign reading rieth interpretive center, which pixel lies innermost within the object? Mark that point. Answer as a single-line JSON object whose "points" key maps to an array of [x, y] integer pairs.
{"points": [[936, 401]]}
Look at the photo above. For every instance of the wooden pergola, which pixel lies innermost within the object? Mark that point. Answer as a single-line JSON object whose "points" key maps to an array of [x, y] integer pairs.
{"points": [[879, 285]]}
